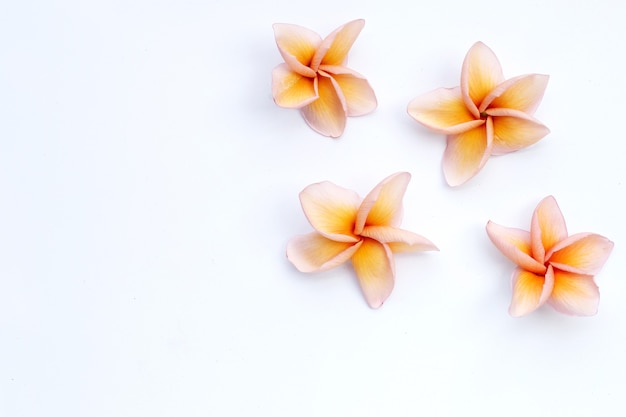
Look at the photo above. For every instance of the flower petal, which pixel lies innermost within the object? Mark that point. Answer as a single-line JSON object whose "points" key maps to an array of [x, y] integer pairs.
{"points": [[530, 291], [326, 115], [383, 205], [481, 73], [443, 111], [515, 245], [373, 264], [335, 47], [514, 130], [291, 89], [297, 46], [582, 253], [574, 294], [359, 95], [547, 228], [523, 93], [331, 210], [399, 240], [466, 153], [313, 252]]}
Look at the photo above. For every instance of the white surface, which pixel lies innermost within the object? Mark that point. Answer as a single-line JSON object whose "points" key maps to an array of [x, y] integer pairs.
{"points": [[149, 185]]}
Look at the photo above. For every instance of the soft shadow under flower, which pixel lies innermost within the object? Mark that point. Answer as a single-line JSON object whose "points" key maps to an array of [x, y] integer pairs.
{"points": [[364, 231], [487, 115], [315, 80], [552, 266]]}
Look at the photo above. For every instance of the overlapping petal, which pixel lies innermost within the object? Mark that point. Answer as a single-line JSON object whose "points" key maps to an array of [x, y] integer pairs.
{"points": [[357, 92], [514, 130], [515, 245], [297, 45], [399, 240], [574, 294], [523, 93], [291, 89], [374, 267], [582, 253], [326, 115], [480, 74], [547, 228], [530, 291], [313, 252], [335, 47], [466, 153], [383, 205]]}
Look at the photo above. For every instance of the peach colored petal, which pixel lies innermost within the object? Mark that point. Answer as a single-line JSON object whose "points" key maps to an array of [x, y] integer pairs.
{"points": [[481, 73], [331, 210], [443, 111], [512, 132], [515, 245], [523, 93], [582, 253], [297, 46], [326, 115], [291, 89], [547, 228], [466, 153], [574, 294], [399, 240], [373, 264], [359, 95], [530, 291], [313, 252], [335, 47], [383, 205]]}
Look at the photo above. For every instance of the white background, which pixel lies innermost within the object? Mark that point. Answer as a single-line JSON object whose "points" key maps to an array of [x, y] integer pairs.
{"points": [[149, 185]]}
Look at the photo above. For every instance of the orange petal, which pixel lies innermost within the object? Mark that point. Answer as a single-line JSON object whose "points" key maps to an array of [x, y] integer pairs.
{"points": [[297, 45], [530, 291], [383, 205], [574, 294], [331, 210], [466, 153], [313, 252], [399, 240], [514, 130], [515, 245], [523, 93], [326, 115], [443, 111], [547, 228], [582, 253], [373, 263], [359, 95], [335, 47], [481, 73], [291, 89]]}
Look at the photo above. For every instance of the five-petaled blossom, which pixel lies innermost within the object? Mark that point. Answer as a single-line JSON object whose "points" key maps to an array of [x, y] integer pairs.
{"points": [[487, 115], [365, 231], [552, 266], [313, 77]]}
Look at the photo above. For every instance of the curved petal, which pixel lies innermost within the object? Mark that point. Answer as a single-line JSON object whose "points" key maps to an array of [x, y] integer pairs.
{"points": [[481, 73], [313, 252], [574, 294], [331, 210], [291, 89], [515, 245], [466, 153], [297, 46], [443, 111], [530, 291], [523, 93], [399, 240], [326, 115], [383, 205], [373, 264], [582, 253], [335, 47], [359, 95], [547, 228], [514, 130]]}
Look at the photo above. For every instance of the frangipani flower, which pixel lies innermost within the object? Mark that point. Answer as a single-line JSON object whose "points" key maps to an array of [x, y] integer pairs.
{"points": [[364, 231], [552, 266], [315, 80], [485, 116]]}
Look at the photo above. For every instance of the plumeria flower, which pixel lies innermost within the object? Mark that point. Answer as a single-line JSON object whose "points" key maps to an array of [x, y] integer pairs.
{"points": [[364, 231], [552, 266], [487, 115], [315, 80]]}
